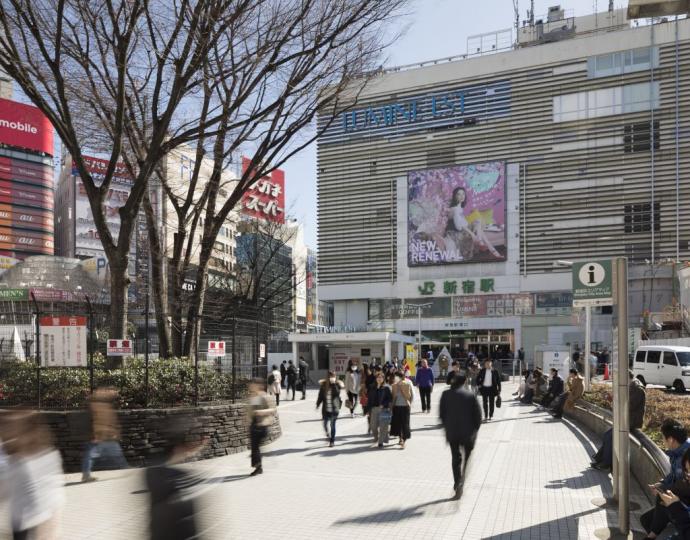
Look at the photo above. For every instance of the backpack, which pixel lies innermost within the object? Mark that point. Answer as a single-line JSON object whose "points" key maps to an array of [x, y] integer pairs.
{"points": [[271, 378]]}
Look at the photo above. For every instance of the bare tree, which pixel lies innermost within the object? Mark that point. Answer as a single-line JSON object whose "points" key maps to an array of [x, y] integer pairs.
{"points": [[117, 77], [289, 62]]}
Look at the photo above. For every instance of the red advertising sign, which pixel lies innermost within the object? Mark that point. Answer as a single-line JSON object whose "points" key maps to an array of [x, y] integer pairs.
{"points": [[265, 199], [29, 173], [63, 320], [97, 167], [36, 242], [216, 348], [30, 196], [26, 218], [25, 126]]}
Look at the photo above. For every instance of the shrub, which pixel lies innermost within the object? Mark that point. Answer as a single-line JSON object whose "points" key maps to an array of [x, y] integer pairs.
{"points": [[171, 384]]}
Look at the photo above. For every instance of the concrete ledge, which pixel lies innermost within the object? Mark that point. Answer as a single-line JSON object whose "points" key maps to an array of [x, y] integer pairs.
{"points": [[647, 462], [224, 427]]}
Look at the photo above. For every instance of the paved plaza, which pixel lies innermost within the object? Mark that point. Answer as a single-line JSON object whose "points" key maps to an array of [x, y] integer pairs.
{"points": [[529, 479]]}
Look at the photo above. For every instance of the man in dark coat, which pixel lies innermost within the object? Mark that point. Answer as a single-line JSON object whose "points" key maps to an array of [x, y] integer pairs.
{"points": [[556, 388], [461, 417], [291, 373], [489, 385], [303, 376], [283, 373], [637, 400]]}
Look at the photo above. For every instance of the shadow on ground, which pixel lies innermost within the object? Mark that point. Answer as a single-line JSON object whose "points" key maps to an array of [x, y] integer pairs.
{"points": [[392, 515]]}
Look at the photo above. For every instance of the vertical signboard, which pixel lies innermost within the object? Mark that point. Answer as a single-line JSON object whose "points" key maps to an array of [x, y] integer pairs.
{"points": [[63, 341], [265, 198]]}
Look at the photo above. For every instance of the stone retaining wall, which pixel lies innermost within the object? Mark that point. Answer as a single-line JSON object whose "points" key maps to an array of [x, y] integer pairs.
{"points": [[224, 426], [647, 462]]}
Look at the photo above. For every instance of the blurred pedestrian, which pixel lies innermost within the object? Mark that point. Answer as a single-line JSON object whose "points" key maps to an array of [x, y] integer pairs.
{"points": [[32, 480], [425, 382], [274, 381], [104, 443], [489, 384], [330, 401], [303, 376], [283, 374], [380, 400], [260, 417], [472, 374], [352, 386], [461, 418], [455, 369], [291, 373], [402, 395], [173, 490]]}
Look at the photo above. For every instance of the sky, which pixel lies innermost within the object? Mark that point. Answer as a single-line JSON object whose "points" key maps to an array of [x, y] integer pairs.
{"points": [[433, 29]]}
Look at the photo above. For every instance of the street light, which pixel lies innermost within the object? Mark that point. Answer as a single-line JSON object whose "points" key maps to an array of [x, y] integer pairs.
{"points": [[419, 327]]}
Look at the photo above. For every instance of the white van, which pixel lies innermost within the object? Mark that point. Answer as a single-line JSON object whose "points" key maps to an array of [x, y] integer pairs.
{"points": [[665, 365]]}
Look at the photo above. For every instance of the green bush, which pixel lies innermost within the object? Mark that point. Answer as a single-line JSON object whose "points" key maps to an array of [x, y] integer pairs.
{"points": [[171, 384]]}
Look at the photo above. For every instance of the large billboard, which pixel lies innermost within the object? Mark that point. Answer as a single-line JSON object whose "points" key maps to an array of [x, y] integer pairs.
{"points": [[265, 199], [88, 242], [457, 214], [36, 174], [24, 126]]}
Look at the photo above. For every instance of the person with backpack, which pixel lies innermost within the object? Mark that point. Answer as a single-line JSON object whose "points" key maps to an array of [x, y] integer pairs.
{"points": [[260, 416], [291, 373], [330, 401], [402, 396], [274, 384]]}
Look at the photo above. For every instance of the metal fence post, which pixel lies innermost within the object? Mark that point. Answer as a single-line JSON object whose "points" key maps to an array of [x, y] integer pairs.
{"points": [[234, 355], [91, 342], [195, 351], [38, 351], [146, 353]]}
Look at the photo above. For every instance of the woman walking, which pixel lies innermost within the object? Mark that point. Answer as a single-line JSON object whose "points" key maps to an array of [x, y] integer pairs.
{"points": [[380, 402], [402, 396], [352, 385], [425, 383], [274, 384], [330, 401]]}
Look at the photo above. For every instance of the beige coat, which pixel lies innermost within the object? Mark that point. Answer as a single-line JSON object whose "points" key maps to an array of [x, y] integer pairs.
{"points": [[403, 387], [576, 387]]}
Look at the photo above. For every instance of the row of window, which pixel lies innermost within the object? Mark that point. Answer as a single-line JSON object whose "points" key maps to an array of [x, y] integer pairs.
{"points": [[606, 102], [621, 62]]}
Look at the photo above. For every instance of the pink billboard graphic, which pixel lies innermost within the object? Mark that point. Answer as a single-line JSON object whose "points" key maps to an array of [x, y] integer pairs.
{"points": [[456, 215]]}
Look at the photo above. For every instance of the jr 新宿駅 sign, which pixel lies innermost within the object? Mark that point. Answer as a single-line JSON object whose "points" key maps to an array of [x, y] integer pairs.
{"points": [[439, 109]]}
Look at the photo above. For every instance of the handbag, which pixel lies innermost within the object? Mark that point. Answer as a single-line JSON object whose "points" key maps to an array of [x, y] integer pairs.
{"points": [[498, 402], [363, 400], [348, 404]]}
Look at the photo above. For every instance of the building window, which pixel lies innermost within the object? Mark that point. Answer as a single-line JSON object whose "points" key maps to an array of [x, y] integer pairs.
{"points": [[606, 102], [638, 137], [638, 218], [622, 62]]}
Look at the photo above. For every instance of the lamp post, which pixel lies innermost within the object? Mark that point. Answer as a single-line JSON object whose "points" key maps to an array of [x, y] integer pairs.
{"points": [[419, 308]]}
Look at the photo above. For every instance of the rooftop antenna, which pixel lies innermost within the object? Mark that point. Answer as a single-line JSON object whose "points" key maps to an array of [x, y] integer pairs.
{"points": [[610, 6], [516, 8], [531, 12]]}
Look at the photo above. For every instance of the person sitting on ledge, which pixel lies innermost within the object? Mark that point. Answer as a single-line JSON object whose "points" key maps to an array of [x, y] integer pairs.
{"points": [[567, 400], [678, 509], [603, 459], [555, 388]]}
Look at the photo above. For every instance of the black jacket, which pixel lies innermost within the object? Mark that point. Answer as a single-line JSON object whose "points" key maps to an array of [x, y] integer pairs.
{"points": [[172, 504], [461, 415], [495, 381], [335, 394], [556, 386], [380, 397], [291, 373], [303, 370], [451, 374], [680, 515]]}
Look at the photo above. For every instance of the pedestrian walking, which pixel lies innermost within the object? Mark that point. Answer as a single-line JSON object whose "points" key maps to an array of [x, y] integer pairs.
{"points": [[472, 374], [303, 376], [455, 369], [274, 381], [352, 386], [291, 373], [425, 383], [330, 401], [461, 418], [283, 374], [380, 401], [260, 417], [489, 384], [402, 395], [174, 490], [32, 476], [105, 434]]}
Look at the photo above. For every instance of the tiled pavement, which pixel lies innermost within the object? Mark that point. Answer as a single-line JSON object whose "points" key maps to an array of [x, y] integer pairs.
{"points": [[528, 479]]}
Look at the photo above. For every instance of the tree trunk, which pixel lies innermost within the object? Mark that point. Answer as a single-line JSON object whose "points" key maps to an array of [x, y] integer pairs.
{"points": [[119, 286], [196, 302], [158, 281], [176, 331]]}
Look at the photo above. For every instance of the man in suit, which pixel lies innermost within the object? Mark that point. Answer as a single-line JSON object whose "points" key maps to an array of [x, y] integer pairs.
{"points": [[461, 417], [489, 384]]}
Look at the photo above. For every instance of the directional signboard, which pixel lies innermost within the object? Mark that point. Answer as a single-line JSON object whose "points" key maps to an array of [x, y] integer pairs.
{"points": [[120, 347], [592, 283]]}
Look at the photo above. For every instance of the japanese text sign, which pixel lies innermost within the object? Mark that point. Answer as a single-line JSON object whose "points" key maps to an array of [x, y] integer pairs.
{"points": [[265, 198]]}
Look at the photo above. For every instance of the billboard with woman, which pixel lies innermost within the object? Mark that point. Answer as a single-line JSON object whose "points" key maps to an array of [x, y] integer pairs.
{"points": [[456, 214]]}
